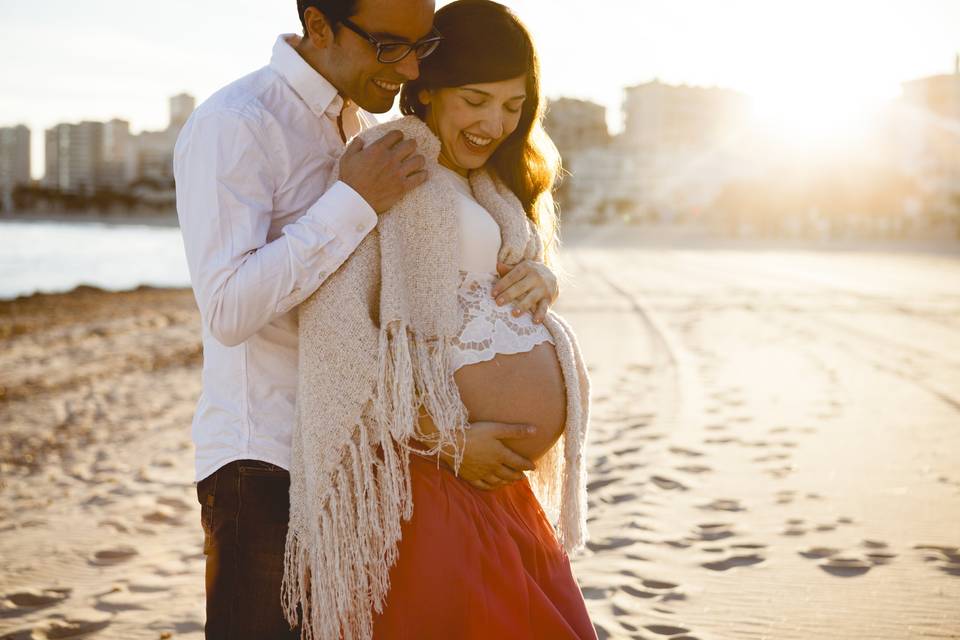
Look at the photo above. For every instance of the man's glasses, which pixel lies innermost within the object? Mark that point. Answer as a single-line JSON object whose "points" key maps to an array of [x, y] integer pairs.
{"points": [[392, 52]]}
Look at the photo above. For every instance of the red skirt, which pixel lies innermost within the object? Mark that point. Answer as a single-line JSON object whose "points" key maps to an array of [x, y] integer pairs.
{"points": [[477, 565]]}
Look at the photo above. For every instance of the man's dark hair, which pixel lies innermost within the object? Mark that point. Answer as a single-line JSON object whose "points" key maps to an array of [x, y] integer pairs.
{"points": [[334, 10]]}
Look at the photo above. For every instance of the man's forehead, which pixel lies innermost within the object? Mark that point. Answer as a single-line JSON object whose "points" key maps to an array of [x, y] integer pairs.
{"points": [[407, 20]]}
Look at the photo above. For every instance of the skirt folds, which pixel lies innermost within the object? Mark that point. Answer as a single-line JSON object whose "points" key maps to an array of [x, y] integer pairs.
{"points": [[477, 564]]}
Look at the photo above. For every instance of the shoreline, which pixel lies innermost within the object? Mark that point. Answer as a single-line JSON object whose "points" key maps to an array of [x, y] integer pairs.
{"points": [[681, 237], [88, 289], [165, 220]]}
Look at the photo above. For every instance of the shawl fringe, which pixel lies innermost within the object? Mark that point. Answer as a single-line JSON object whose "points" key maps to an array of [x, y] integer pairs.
{"points": [[370, 494]]}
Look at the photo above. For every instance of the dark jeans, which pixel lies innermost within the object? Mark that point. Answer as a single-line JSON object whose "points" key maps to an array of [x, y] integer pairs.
{"points": [[244, 507]]}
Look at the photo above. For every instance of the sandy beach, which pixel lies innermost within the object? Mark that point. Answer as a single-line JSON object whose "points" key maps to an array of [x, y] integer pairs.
{"points": [[775, 447]]}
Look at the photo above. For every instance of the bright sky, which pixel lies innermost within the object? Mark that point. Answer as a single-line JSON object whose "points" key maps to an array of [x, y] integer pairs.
{"points": [[67, 60]]}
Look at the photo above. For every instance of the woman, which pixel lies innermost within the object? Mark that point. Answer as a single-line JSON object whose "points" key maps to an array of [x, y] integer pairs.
{"points": [[384, 541]]}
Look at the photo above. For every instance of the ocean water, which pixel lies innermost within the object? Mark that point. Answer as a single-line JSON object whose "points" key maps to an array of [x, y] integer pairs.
{"points": [[56, 256]]}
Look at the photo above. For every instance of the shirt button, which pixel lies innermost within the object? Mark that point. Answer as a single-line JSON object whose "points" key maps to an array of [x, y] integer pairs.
{"points": [[360, 227], [321, 275]]}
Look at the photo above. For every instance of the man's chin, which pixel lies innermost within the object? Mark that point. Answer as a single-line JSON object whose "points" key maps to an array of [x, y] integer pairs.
{"points": [[376, 105]]}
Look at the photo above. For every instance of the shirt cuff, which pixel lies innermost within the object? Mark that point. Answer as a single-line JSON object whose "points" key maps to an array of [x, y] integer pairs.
{"points": [[345, 213]]}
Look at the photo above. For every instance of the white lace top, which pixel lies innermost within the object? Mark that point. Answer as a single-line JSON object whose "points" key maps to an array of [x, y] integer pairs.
{"points": [[485, 329]]}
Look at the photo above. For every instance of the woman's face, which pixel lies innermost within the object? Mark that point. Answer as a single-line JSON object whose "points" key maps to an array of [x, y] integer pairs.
{"points": [[473, 120]]}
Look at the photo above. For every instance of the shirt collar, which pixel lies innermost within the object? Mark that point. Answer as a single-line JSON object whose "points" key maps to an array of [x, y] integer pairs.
{"points": [[315, 90]]}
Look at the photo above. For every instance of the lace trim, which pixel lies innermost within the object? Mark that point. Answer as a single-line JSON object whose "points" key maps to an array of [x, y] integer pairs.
{"points": [[486, 329]]}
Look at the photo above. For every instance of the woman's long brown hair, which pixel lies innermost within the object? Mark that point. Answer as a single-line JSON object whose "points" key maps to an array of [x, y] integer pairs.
{"points": [[485, 42]]}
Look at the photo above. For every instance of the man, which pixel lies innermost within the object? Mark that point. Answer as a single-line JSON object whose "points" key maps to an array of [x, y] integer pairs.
{"points": [[261, 236]]}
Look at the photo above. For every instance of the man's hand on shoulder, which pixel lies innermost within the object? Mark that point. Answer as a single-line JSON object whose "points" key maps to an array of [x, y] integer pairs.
{"points": [[383, 171]]}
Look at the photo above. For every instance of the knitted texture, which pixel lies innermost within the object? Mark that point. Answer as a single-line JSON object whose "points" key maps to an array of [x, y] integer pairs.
{"points": [[376, 346]]}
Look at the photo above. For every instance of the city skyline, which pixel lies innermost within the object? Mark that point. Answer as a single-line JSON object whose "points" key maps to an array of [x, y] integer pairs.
{"points": [[859, 58]]}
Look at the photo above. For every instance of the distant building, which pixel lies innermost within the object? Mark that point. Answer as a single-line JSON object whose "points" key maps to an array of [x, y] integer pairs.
{"points": [[155, 148], [576, 124], [14, 156], [119, 158], [661, 117], [939, 94], [601, 184], [932, 127], [73, 156], [181, 106], [94, 156], [14, 162], [679, 147]]}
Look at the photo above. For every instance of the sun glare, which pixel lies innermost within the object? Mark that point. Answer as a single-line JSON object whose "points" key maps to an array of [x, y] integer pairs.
{"points": [[821, 81], [814, 115]]}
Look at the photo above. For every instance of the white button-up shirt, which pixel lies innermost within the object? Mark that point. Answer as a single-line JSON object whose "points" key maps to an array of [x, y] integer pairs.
{"points": [[261, 236]]}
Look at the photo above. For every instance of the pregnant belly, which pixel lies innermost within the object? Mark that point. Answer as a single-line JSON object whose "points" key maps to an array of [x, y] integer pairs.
{"points": [[522, 388]]}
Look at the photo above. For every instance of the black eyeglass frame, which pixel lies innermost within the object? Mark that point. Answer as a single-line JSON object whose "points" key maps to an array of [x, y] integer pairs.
{"points": [[411, 46]]}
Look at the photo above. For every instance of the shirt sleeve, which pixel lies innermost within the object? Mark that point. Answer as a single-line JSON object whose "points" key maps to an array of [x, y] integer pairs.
{"points": [[225, 191]]}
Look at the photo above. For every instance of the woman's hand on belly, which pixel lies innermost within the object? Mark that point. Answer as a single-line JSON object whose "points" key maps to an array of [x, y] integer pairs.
{"points": [[488, 463]]}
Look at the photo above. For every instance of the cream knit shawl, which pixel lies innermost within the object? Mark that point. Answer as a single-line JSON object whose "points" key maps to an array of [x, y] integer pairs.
{"points": [[375, 345]]}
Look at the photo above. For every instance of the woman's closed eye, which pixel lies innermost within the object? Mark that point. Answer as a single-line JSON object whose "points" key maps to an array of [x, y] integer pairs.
{"points": [[481, 103]]}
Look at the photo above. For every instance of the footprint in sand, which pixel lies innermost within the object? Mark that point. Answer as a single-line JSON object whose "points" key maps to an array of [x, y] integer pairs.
{"points": [[161, 516], [723, 505], [668, 484], [849, 565], [79, 624], [818, 553], [114, 555], [649, 589], [33, 599], [771, 457], [116, 524], [638, 593], [780, 472], [720, 440], [785, 497], [594, 593], [164, 462], [881, 558], [713, 531], [846, 566], [601, 483], [945, 558], [682, 451], [610, 544], [794, 527], [874, 544], [694, 468], [666, 629], [620, 498], [734, 561], [175, 503]]}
